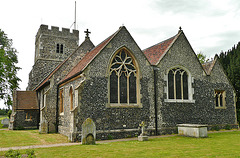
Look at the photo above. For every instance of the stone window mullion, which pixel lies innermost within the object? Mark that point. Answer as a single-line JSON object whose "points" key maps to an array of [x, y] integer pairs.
{"points": [[174, 85], [126, 79]]}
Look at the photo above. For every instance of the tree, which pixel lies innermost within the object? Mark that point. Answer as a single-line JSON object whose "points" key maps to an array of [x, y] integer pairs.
{"points": [[231, 63], [8, 69], [202, 58]]}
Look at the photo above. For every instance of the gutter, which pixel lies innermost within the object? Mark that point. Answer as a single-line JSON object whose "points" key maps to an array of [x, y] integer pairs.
{"points": [[61, 82]]}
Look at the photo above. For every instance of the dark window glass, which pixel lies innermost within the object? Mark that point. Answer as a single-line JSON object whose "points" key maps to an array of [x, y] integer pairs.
{"points": [[221, 99], [178, 85], [185, 86], [216, 98], [122, 84], [170, 85], [113, 88], [123, 88], [57, 50], [132, 89], [61, 50]]}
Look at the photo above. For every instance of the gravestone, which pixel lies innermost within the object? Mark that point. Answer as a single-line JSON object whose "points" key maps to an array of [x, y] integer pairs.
{"points": [[5, 122], [143, 136], [88, 132]]}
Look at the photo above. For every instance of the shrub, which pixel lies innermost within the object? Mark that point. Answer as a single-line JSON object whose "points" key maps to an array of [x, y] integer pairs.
{"points": [[110, 137], [228, 127], [12, 153], [216, 128], [19, 127], [30, 153], [16, 154]]}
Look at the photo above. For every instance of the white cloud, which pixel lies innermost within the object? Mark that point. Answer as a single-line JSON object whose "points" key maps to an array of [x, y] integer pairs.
{"points": [[210, 25]]}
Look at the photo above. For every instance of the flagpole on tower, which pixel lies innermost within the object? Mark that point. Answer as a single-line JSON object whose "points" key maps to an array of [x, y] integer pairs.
{"points": [[75, 16]]}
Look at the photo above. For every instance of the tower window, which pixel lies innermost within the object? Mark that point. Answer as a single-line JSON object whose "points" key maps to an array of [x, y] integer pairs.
{"points": [[59, 48]]}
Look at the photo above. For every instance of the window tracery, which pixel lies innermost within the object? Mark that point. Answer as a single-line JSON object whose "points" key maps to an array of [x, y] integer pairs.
{"points": [[123, 79], [178, 84]]}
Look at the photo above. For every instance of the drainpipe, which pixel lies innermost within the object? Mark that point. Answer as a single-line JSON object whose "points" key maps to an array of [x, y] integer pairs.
{"points": [[155, 97], [57, 114]]}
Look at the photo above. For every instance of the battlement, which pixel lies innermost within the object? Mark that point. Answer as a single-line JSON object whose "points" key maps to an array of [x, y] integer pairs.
{"points": [[55, 31]]}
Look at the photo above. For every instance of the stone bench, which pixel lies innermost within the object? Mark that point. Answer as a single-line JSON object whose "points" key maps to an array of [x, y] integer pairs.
{"points": [[192, 130]]}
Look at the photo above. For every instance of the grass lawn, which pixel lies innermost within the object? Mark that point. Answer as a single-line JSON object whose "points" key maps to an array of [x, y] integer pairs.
{"points": [[1, 118], [9, 138], [224, 144]]}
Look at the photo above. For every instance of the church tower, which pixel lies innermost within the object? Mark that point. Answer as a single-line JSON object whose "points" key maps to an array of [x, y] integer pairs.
{"points": [[52, 46]]}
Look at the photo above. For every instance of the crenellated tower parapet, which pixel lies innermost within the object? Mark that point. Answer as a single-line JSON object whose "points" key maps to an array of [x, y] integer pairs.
{"points": [[55, 44], [52, 46]]}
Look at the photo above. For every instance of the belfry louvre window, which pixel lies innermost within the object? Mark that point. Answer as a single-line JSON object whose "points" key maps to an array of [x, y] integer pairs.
{"points": [[219, 98], [123, 79], [177, 84], [59, 48]]}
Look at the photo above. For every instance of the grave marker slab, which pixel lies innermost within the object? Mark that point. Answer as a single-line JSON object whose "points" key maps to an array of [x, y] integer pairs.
{"points": [[88, 132], [5, 122]]}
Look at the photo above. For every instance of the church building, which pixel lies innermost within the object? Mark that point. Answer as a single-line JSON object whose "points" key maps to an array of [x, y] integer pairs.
{"points": [[118, 85]]}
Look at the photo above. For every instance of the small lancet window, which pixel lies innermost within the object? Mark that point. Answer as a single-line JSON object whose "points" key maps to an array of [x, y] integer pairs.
{"points": [[123, 79], [57, 50], [71, 98], [61, 101], [177, 84], [219, 98], [61, 48]]}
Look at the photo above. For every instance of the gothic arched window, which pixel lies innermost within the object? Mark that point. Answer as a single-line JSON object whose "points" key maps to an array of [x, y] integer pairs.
{"points": [[178, 84], [61, 101], [123, 78], [71, 98], [220, 96]]}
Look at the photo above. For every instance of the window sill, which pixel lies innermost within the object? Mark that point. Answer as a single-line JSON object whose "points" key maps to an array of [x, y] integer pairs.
{"points": [[124, 105], [178, 101], [73, 109], [223, 107]]}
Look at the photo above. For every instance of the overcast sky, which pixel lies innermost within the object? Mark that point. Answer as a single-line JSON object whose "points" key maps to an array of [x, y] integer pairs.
{"points": [[210, 25]]}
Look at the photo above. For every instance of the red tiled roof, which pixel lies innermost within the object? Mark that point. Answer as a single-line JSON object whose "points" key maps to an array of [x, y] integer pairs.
{"points": [[156, 52], [208, 66], [49, 76], [88, 58], [26, 100]]}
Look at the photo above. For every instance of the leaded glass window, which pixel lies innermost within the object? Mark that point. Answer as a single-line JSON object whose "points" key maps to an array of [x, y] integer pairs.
{"points": [[177, 84], [219, 98], [123, 79]]}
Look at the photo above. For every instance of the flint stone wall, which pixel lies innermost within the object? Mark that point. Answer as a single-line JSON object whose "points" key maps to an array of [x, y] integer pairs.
{"points": [[202, 110]]}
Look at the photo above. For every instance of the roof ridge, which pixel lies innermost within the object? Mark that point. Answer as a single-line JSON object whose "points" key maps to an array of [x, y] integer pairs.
{"points": [[159, 42], [170, 45], [57, 67]]}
